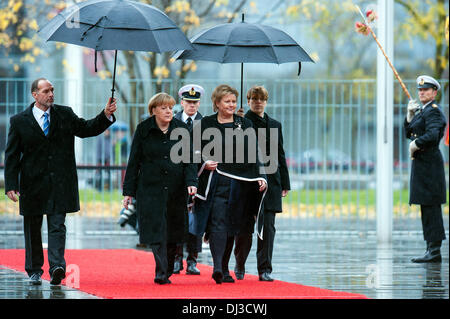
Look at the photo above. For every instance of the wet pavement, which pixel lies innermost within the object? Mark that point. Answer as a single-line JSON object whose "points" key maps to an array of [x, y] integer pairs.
{"points": [[341, 260]]}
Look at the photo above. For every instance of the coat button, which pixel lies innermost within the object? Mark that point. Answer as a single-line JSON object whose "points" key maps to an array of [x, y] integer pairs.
{"points": [[166, 157], [166, 188]]}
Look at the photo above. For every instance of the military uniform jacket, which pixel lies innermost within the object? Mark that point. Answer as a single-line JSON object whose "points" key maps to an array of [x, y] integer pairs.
{"points": [[39, 166], [427, 182], [158, 184], [179, 116]]}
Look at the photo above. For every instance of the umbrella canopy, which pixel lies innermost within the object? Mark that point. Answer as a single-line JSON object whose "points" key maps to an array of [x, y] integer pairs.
{"points": [[244, 43], [116, 25]]}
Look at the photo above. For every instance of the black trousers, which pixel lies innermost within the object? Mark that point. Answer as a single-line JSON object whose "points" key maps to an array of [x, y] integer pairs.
{"points": [[221, 245], [432, 223], [164, 254], [193, 246], [264, 250], [34, 255]]}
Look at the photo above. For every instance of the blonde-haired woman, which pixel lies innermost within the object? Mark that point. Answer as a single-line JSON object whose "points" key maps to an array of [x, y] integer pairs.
{"points": [[160, 186], [230, 189]]}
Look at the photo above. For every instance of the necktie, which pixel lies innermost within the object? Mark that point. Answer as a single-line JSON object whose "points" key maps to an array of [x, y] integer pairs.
{"points": [[189, 122], [46, 125]]}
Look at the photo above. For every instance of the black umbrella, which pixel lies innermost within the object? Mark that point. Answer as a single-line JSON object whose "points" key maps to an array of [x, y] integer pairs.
{"points": [[244, 43], [116, 25]]}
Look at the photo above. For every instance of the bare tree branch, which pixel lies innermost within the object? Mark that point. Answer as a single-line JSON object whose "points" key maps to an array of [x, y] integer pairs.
{"points": [[238, 8], [208, 9]]}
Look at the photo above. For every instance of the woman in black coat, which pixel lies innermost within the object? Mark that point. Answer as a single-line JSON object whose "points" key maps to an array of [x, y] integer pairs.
{"points": [[229, 187], [160, 186]]}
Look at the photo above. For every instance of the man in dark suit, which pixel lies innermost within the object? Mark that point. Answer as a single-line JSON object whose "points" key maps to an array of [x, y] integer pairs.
{"points": [[424, 126], [190, 96], [40, 172], [278, 187]]}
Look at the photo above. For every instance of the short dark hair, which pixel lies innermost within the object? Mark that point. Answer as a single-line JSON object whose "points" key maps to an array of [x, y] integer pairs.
{"points": [[34, 85]]}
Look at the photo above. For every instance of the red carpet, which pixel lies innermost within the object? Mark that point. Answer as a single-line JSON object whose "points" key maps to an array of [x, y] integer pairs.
{"points": [[129, 273]]}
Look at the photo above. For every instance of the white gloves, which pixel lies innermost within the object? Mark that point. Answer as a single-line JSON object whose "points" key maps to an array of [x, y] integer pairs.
{"points": [[412, 148], [413, 106]]}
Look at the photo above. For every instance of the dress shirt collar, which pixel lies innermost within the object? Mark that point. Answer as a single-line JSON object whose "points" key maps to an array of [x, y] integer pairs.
{"points": [[38, 114], [184, 117], [425, 105]]}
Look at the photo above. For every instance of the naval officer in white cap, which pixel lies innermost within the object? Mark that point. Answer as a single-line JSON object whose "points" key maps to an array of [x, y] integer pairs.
{"points": [[190, 101], [424, 126]]}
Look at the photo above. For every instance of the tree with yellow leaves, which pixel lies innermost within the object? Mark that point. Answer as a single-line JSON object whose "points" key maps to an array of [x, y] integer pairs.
{"points": [[427, 19], [18, 33], [20, 20], [328, 21]]}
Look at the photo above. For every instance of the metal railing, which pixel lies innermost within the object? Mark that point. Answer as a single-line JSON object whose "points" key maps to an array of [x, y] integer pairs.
{"points": [[329, 130]]}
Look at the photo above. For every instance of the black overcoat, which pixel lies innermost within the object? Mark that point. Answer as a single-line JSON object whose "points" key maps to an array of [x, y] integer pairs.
{"points": [[279, 180], [427, 182], [158, 184], [37, 165], [245, 200]]}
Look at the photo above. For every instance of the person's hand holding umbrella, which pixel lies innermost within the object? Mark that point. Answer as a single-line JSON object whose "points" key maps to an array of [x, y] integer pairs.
{"points": [[110, 107]]}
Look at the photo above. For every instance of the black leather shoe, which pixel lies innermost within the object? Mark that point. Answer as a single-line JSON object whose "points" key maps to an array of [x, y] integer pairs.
{"points": [[239, 274], [192, 270], [429, 257], [57, 275], [178, 265], [162, 281], [217, 276], [265, 277], [35, 279], [432, 255], [228, 279]]}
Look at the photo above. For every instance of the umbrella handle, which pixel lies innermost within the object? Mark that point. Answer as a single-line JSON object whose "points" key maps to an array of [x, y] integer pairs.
{"points": [[114, 75], [242, 75], [242, 84]]}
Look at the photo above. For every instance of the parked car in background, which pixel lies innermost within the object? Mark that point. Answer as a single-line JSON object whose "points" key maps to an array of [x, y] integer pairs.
{"points": [[334, 160]]}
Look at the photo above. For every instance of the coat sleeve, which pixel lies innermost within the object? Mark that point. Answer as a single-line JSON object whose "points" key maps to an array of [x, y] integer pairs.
{"points": [[433, 127], [134, 165], [284, 173], [190, 169], [259, 160], [407, 127], [12, 158], [87, 128], [190, 174]]}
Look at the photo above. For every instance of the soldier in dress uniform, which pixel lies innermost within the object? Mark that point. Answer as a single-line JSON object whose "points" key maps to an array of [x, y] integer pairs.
{"points": [[190, 101], [424, 126]]}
